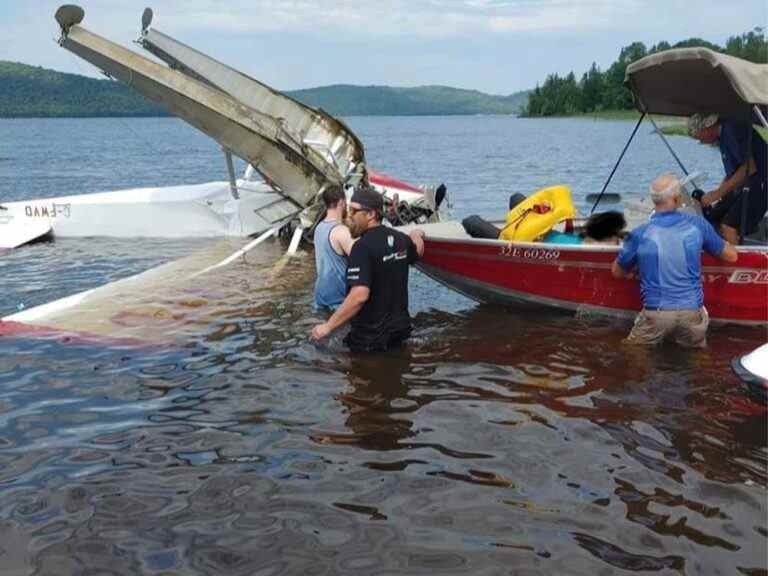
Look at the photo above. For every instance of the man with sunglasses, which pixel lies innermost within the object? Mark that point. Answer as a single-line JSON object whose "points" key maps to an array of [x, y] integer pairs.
{"points": [[376, 304]]}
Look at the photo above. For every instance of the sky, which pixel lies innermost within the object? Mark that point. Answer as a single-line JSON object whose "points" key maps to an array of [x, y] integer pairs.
{"points": [[496, 46]]}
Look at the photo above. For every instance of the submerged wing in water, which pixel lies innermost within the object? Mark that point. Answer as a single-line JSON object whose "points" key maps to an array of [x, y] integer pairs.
{"points": [[169, 304], [283, 148]]}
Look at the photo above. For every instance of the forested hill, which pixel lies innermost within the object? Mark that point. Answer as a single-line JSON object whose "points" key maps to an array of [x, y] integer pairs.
{"points": [[346, 100], [599, 90], [28, 91]]}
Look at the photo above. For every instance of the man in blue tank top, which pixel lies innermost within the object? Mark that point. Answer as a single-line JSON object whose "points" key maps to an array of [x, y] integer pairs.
{"points": [[667, 253], [376, 305], [333, 242]]}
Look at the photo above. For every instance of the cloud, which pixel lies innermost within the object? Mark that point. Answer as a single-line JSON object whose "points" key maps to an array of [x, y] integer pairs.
{"points": [[495, 45], [393, 18]]}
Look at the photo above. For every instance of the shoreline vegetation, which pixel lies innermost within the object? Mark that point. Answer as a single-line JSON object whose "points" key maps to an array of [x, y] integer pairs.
{"points": [[35, 92], [604, 91]]}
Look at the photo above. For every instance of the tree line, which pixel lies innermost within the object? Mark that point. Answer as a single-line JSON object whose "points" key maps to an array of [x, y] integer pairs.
{"points": [[599, 90], [29, 91]]}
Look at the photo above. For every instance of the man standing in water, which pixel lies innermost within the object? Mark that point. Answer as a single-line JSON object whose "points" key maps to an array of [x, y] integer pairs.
{"points": [[333, 243], [667, 252], [377, 278]]}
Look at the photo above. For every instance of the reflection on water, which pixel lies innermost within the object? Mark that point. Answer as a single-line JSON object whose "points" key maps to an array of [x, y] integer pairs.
{"points": [[495, 443]]}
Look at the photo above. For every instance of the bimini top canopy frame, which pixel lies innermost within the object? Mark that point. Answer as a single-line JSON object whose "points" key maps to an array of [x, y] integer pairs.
{"points": [[685, 81]]}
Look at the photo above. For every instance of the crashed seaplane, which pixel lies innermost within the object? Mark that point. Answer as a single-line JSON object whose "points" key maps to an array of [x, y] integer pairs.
{"points": [[291, 149], [293, 153]]}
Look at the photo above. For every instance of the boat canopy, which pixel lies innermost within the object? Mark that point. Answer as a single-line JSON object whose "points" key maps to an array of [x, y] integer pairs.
{"points": [[685, 81]]}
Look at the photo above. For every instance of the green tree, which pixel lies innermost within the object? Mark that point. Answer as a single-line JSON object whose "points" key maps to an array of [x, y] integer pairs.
{"points": [[592, 86], [750, 46]]}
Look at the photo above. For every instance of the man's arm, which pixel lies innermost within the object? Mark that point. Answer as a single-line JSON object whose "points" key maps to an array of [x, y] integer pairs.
{"points": [[417, 236], [352, 304], [626, 259], [728, 253], [713, 244], [728, 185], [342, 240], [619, 272]]}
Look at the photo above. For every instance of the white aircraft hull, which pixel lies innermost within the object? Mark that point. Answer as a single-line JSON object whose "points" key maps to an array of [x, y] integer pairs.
{"points": [[201, 210]]}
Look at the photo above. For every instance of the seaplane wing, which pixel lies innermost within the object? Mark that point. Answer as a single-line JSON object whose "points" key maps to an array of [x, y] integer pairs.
{"points": [[171, 304], [298, 126], [298, 170]]}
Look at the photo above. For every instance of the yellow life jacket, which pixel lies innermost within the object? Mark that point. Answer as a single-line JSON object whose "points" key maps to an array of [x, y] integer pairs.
{"points": [[536, 215]]}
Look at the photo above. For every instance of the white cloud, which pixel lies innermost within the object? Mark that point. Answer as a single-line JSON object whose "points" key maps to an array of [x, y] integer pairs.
{"points": [[414, 18], [495, 45]]}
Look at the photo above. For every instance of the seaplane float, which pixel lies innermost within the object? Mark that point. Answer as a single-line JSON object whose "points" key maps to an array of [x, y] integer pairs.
{"points": [[561, 274], [292, 151]]}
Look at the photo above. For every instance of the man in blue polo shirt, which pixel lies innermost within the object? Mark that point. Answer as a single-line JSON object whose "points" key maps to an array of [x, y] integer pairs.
{"points": [[667, 253]]}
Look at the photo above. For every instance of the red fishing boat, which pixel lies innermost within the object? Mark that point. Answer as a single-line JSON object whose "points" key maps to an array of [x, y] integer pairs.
{"points": [[578, 277]]}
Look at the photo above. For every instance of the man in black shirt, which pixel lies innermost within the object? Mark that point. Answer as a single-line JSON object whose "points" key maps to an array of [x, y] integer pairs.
{"points": [[377, 279]]}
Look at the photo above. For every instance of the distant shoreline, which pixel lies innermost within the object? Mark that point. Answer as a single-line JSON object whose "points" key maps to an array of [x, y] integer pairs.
{"points": [[36, 92], [82, 116]]}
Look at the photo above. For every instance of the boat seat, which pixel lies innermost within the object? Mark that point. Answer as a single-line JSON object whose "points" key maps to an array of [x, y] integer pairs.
{"points": [[476, 227]]}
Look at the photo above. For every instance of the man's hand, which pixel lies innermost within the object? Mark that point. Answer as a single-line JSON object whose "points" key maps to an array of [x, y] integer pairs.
{"points": [[709, 198], [320, 331], [619, 272], [417, 236]]}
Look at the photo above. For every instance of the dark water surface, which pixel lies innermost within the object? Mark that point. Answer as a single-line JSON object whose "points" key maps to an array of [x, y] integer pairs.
{"points": [[496, 443]]}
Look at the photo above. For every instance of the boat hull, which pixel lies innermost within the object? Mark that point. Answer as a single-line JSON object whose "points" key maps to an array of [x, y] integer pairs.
{"points": [[578, 278]]}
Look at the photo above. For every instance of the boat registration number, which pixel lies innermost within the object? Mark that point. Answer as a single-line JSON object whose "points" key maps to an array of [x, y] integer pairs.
{"points": [[531, 253]]}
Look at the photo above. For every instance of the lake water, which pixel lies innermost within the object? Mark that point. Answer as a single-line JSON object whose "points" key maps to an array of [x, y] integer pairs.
{"points": [[496, 443]]}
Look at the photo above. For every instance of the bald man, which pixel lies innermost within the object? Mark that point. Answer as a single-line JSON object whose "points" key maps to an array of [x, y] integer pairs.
{"points": [[667, 254]]}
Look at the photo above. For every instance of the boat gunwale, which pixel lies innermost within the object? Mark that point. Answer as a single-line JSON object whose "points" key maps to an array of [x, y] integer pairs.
{"points": [[597, 248]]}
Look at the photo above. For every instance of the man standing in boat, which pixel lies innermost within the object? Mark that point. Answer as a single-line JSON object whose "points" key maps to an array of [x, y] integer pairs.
{"points": [[667, 253], [333, 243], [744, 163], [376, 304]]}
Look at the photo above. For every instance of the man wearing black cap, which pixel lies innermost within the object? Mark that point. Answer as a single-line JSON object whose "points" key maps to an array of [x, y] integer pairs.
{"points": [[377, 279]]}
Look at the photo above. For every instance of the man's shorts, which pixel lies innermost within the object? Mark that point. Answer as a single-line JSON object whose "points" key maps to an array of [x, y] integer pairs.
{"points": [[687, 327]]}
